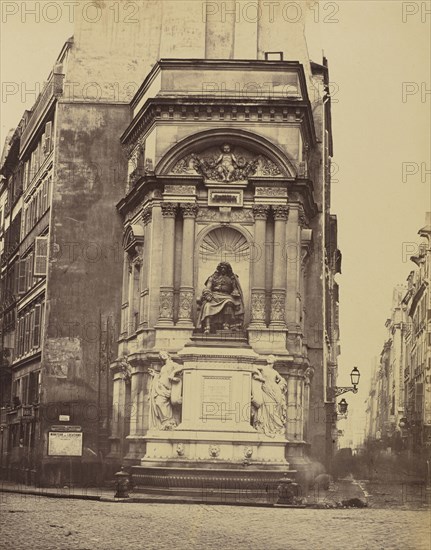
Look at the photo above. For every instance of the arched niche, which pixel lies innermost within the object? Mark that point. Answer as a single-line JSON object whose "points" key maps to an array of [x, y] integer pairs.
{"points": [[133, 238], [224, 243]]}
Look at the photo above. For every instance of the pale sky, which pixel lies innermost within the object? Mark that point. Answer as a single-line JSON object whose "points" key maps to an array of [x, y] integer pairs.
{"points": [[371, 52]]}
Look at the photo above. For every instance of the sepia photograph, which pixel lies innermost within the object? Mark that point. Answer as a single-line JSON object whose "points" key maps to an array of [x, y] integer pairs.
{"points": [[215, 274]]}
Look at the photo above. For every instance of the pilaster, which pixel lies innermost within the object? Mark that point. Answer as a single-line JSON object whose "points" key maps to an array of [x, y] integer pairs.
{"points": [[189, 211], [278, 294], [166, 309], [260, 213]]}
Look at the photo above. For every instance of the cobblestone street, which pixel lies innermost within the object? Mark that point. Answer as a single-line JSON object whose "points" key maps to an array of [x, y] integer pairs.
{"points": [[36, 522]]}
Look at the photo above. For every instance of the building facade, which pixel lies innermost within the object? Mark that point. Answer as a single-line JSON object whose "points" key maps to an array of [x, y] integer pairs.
{"points": [[400, 402], [215, 145], [60, 276], [218, 177], [417, 372], [385, 405]]}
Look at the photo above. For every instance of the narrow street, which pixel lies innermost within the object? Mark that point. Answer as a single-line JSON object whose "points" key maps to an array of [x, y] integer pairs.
{"points": [[63, 524]]}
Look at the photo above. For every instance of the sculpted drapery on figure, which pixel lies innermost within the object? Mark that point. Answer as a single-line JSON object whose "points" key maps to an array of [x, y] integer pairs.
{"points": [[221, 303], [269, 410], [165, 393]]}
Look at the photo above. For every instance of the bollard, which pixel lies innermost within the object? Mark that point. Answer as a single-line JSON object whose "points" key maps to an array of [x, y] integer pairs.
{"points": [[287, 490], [121, 484]]}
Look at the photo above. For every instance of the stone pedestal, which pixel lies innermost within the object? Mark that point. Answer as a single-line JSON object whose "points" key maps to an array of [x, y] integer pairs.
{"points": [[215, 434]]}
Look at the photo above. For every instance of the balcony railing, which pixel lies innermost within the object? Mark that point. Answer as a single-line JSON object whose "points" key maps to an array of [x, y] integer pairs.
{"points": [[53, 88]]}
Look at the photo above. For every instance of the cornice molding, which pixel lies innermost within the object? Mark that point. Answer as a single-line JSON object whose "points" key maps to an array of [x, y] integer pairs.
{"points": [[218, 110]]}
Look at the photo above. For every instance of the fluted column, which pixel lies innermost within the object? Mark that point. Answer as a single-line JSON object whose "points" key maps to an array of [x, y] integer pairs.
{"points": [[166, 300], [189, 211], [260, 212], [278, 294]]}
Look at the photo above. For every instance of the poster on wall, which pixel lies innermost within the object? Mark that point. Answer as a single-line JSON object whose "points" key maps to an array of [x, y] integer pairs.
{"points": [[65, 444]]}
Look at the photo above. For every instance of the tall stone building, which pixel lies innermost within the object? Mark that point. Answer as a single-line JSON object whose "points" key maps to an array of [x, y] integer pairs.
{"points": [[211, 133], [417, 336], [385, 405], [400, 402], [61, 279]]}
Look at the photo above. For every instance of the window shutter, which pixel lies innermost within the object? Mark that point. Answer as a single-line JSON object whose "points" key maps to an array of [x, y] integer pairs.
{"points": [[18, 338], [25, 221], [36, 160], [39, 154], [36, 326], [43, 198], [48, 137], [40, 256], [21, 276], [30, 329], [24, 390], [30, 270], [21, 337], [25, 178], [36, 206], [27, 333]]}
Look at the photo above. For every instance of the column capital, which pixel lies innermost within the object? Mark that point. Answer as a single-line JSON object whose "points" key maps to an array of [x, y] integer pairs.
{"points": [[189, 209], [260, 211], [169, 209], [280, 211], [147, 214], [302, 218]]}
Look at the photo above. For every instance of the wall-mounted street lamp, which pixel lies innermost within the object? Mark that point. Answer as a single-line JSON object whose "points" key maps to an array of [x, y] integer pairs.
{"points": [[342, 406], [354, 378], [342, 411]]}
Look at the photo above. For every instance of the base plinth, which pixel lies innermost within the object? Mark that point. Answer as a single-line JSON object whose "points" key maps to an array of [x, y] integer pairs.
{"points": [[217, 484]]}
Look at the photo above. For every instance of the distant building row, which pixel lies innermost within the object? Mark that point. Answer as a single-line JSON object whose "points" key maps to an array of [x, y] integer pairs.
{"points": [[399, 403]]}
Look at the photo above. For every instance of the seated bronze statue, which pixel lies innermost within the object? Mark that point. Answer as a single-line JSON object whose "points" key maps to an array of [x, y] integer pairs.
{"points": [[221, 303]]}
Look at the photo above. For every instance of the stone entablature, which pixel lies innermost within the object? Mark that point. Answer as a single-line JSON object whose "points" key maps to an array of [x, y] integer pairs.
{"points": [[169, 101], [163, 113], [223, 78]]}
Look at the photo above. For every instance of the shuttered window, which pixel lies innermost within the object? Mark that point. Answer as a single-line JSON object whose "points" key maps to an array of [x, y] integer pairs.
{"points": [[36, 326], [40, 256], [22, 264], [48, 138], [27, 332]]}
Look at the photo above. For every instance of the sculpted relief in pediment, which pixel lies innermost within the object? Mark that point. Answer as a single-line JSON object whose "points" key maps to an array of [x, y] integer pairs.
{"points": [[227, 164]]}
